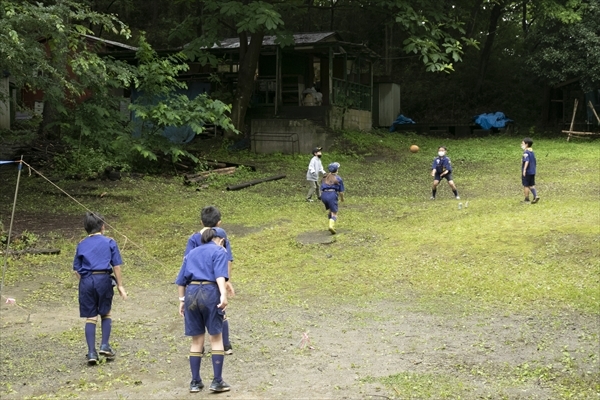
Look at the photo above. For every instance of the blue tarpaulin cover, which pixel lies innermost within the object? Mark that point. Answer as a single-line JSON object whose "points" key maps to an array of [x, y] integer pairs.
{"points": [[399, 121], [6, 162], [492, 120]]}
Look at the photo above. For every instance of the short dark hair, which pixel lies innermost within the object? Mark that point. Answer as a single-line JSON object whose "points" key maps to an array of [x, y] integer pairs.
{"points": [[210, 216], [93, 222], [528, 141], [443, 147]]}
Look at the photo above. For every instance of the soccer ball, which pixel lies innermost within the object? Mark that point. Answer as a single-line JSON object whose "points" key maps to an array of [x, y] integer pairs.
{"points": [[414, 148]]}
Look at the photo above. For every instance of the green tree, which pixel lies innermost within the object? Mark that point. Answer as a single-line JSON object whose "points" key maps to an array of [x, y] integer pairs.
{"points": [[563, 49]]}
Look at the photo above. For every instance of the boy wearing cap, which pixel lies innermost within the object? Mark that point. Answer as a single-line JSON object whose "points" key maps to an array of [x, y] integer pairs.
{"points": [[442, 169], [332, 185], [312, 175], [210, 217], [201, 285]]}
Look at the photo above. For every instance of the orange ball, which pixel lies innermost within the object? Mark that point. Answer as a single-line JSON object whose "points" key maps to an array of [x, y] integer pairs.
{"points": [[414, 148]]}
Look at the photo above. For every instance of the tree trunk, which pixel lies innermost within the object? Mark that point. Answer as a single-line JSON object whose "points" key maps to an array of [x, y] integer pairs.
{"points": [[245, 85], [497, 11], [473, 18]]}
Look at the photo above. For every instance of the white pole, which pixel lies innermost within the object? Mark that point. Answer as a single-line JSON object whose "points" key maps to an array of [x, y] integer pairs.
{"points": [[12, 218]]}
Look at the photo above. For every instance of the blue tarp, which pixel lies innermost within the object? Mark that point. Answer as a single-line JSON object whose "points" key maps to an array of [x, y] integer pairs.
{"points": [[399, 121], [492, 120], [6, 162]]}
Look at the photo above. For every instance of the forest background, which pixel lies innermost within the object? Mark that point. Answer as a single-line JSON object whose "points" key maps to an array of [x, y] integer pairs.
{"points": [[453, 60]]}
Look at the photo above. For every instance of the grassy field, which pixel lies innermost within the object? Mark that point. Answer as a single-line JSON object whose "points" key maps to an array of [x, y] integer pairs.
{"points": [[494, 256]]}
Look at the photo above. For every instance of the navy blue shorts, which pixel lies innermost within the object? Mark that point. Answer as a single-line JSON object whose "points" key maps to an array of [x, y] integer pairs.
{"points": [[95, 295], [200, 310], [528, 180], [448, 177], [330, 199]]}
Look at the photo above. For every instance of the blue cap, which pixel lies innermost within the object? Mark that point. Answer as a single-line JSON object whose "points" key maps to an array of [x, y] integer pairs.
{"points": [[333, 167], [220, 232]]}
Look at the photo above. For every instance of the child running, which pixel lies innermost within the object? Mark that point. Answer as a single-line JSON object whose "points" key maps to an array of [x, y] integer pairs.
{"points": [[202, 300], [332, 185], [96, 258], [210, 217], [442, 169]]}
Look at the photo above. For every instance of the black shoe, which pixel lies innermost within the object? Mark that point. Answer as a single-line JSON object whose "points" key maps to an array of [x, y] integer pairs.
{"points": [[228, 349], [106, 351], [535, 200], [92, 358], [219, 386], [196, 386]]}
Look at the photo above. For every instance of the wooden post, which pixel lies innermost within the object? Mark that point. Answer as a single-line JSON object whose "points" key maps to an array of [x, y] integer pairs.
{"points": [[594, 110], [573, 118], [330, 77]]}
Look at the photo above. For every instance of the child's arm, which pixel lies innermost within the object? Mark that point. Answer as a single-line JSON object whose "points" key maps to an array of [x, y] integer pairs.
{"points": [[525, 164], [181, 293], [223, 300], [228, 285], [120, 287]]}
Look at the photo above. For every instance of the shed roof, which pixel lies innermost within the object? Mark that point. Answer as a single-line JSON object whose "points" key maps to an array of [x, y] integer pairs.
{"points": [[299, 38], [112, 43]]}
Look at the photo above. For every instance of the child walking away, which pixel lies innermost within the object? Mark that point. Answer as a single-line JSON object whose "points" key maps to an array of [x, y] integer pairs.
{"points": [[312, 175], [97, 257], [210, 217], [442, 169], [202, 301], [332, 185], [528, 166]]}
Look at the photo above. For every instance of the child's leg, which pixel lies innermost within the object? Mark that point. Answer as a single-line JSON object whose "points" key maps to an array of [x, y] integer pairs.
{"points": [[526, 192], [106, 326], [311, 189], [90, 333], [434, 188], [196, 352], [533, 192], [226, 342], [217, 355], [453, 187]]}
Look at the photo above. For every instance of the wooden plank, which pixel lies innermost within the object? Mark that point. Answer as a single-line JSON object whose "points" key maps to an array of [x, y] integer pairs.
{"points": [[593, 110]]}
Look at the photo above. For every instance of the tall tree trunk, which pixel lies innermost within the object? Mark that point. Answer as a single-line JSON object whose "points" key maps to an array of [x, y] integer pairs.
{"points": [[245, 85], [473, 18], [524, 18], [497, 11]]}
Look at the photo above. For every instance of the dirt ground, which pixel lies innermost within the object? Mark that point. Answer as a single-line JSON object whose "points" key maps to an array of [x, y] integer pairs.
{"points": [[344, 347]]}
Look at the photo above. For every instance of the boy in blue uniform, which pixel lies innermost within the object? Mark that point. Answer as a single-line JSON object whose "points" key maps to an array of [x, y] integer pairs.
{"points": [[315, 167], [96, 258], [332, 185], [201, 284], [210, 217], [442, 169], [528, 166]]}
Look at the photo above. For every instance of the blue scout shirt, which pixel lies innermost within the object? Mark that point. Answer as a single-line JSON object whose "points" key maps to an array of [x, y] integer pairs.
{"points": [[441, 164], [338, 187], [196, 240], [96, 253], [204, 263], [528, 156]]}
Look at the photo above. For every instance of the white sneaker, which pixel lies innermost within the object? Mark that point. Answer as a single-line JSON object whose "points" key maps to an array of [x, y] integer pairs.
{"points": [[457, 197]]}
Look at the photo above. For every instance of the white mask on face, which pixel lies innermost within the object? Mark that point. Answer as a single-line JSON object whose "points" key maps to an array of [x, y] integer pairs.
{"points": [[441, 153], [523, 146]]}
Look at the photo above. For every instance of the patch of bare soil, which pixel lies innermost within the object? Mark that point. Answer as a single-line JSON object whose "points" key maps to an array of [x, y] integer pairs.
{"points": [[280, 352]]}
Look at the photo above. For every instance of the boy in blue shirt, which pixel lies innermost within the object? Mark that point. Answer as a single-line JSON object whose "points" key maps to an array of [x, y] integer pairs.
{"points": [[332, 186], [442, 169], [201, 284], [96, 258], [528, 166], [210, 217]]}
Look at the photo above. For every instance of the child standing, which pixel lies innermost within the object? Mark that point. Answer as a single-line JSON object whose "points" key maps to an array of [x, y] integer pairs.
{"points": [[332, 185], [202, 302], [210, 217], [528, 166], [312, 175], [96, 258], [442, 169]]}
